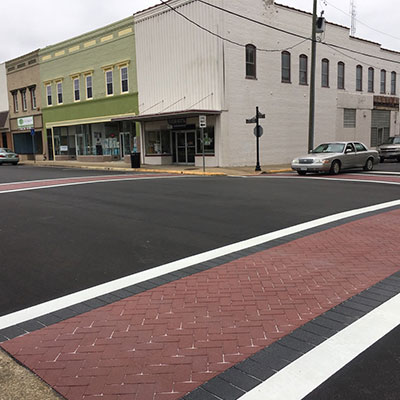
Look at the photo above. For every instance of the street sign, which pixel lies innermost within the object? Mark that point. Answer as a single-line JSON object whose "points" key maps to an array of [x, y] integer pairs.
{"points": [[261, 115], [32, 132], [259, 132], [203, 121], [251, 120]]}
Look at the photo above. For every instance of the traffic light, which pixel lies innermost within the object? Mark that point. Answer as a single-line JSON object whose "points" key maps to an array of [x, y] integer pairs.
{"points": [[320, 25]]}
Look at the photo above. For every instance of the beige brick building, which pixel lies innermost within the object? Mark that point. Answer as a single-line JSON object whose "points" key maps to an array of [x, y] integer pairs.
{"points": [[23, 83]]}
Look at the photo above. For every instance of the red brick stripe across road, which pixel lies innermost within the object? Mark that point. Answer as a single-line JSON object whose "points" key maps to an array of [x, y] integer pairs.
{"points": [[66, 181], [165, 342]]}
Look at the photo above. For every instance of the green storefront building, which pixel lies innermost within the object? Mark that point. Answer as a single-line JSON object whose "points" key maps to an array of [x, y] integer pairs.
{"points": [[89, 93]]}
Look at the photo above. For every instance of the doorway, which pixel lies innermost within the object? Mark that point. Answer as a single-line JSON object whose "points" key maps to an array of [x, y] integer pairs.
{"points": [[184, 147], [4, 139]]}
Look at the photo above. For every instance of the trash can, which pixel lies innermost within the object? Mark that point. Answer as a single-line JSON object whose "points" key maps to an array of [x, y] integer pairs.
{"points": [[135, 160]]}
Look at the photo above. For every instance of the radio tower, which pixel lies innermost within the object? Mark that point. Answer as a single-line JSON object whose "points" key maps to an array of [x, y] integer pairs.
{"points": [[353, 17]]}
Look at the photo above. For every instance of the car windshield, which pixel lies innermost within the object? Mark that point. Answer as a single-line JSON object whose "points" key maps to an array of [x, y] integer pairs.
{"points": [[393, 140], [329, 148], [3, 150]]}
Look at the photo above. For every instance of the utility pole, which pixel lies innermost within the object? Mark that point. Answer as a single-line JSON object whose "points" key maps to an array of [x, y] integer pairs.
{"points": [[353, 13], [312, 79]]}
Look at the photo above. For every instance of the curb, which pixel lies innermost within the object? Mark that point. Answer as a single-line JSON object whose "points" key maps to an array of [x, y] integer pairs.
{"points": [[152, 170]]}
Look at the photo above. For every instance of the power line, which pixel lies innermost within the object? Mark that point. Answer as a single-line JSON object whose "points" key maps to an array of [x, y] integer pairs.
{"points": [[363, 23], [230, 40], [291, 33]]}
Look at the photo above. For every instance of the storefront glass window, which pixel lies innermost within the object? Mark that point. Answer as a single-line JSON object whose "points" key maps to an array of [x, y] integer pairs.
{"points": [[158, 142], [209, 141]]}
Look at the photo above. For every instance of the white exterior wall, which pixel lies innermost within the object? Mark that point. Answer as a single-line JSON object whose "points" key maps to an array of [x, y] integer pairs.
{"points": [[176, 60], [3, 88], [179, 66]]}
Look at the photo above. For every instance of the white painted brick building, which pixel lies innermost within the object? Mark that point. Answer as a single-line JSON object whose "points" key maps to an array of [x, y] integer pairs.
{"points": [[184, 71]]}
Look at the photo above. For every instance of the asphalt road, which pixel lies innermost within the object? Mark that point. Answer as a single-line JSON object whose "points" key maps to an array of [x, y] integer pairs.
{"points": [[373, 375], [61, 240]]}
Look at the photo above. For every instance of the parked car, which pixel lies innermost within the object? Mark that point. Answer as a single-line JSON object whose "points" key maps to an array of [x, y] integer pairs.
{"points": [[390, 149], [8, 156], [333, 157]]}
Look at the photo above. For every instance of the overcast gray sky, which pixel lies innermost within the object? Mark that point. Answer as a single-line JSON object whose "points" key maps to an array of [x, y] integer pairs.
{"points": [[27, 25]]}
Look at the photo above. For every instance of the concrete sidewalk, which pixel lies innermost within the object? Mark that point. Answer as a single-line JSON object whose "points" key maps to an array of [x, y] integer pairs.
{"points": [[212, 331], [121, 166]]}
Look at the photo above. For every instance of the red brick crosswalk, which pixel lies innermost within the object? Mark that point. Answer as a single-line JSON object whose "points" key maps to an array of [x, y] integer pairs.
{"points": [[167, 341]]}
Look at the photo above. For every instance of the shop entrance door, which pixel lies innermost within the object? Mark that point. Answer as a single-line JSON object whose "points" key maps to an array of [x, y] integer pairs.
{"points": [[125, 143], [185, 147]]}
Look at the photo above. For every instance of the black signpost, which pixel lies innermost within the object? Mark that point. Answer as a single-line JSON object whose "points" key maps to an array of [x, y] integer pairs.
{"points": [[258, 131]]}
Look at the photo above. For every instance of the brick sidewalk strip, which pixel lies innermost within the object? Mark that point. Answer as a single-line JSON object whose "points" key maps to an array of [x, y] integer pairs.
{"points": [[167, 341], [65, 181]]}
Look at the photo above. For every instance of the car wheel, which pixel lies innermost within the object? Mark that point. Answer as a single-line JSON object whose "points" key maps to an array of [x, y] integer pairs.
{"points": [[369, 165], [335, 167], [15, 163], [301, 172], [381, 159], [398, 159]]}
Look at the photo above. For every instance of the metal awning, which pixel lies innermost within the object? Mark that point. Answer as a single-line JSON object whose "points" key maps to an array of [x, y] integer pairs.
{"points": [[168, 115]]}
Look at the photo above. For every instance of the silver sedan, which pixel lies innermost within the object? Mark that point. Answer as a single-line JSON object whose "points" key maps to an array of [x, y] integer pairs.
{"points": [[334, 157], [8, 156]]}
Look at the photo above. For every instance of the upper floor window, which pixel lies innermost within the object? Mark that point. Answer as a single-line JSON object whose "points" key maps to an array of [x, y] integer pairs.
{"points": [[49, 95], [349, 118], [89, 86], [371, 79], [109, 83], [393, 83], [15, 101], [77, 90], [24, 102], [325, 73], [303, 69], [359, 78], [251, 61], [59, 93], [383, 81], [124, 80], [340, 75], [285, 66], [33, 98]]}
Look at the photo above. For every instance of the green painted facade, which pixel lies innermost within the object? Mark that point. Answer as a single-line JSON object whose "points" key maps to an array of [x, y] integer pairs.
{"points": [[92, 54]]}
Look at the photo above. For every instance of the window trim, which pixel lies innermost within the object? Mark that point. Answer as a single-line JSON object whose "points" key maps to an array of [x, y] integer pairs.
{"points": [[303, 71], [325, 62], [359, 79], [15, 101], [287, 69], [371, 80], [393, 83], [339, 78], [58, 92], [122, 67], [49, 94], [75, 90], [248, 63], [383, 81], [33, 98], [89, 75], [106, 71], [24, 101]]}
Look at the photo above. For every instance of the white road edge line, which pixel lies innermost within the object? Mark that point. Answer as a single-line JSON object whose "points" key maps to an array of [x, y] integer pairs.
{"points": [[90, 293], [305, 374], [320, 178]]}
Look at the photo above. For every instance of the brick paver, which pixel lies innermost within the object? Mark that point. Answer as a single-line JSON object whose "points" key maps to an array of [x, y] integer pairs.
{"points": [[167, 341], [63, 181]]}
